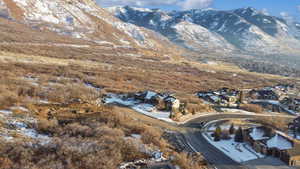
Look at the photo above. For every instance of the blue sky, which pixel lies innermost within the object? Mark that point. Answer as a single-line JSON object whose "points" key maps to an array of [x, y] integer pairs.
{"points": [[273, 7]]}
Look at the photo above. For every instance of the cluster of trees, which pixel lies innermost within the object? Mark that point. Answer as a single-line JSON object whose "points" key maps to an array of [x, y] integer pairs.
{"points": [[270, 67], [225, 134]]}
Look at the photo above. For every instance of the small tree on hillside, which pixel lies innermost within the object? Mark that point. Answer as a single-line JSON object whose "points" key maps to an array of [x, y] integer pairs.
{"points": [[231, 129], [241, 97], [217, 134], [239, 136]]}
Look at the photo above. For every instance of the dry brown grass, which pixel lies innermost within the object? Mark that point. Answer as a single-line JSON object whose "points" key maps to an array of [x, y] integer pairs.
{"points": [[180, 79], [90, 140], [252, 108], [187, 162], [275, 122]]}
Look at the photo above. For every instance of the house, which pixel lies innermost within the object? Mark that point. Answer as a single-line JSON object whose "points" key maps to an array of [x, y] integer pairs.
{"points": [[286, 88], [148, 97], [229, 99], [274, 143], [264, 94], [203, 94], [223, 96], [256, 136], [294, 126], [291, 103], [172, 103], [214, 99]]}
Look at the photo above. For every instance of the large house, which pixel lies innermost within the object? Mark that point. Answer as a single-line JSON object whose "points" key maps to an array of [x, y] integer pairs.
{"points": [[148, 97], [264, 94], [294, 127], [171, 102], [274, 143], [223, 96], [291, 103]]}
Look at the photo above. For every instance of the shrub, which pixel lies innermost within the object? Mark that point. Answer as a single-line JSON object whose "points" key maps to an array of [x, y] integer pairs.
{"points": [[231, 129], [185, 161], [217, 134], [5, 163], [151, 136], [274, 122]]}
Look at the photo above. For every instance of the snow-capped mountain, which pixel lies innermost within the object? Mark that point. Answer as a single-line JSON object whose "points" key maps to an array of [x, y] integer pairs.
{"points": [[82, 19], [181, 31], [243, 29]]}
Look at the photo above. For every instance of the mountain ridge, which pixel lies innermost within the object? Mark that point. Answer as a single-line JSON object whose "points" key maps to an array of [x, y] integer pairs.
{"points": [[245, 28], [82, 19]]}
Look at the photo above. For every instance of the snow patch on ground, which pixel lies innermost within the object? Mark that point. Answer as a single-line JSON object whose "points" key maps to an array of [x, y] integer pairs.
{"points": [[15, 127], [236, 111], [239, 152], [137, 136], [91, 86], [150, 110], [19, 108], [116, 99], [5, 112], [146, 109]]}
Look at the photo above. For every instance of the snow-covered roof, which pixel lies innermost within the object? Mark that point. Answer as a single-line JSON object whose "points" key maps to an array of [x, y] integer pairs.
{"points": [[215, 98], [150, 94], [170, 99], [258, 134], [279, 142]]}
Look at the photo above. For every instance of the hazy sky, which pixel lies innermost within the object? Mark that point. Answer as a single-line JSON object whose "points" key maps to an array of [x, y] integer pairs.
{"points": [[273, 7]]}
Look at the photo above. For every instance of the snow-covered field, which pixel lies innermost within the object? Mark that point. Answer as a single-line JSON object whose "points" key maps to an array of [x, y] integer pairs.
{"points": [[239, 152], [151, 111]]}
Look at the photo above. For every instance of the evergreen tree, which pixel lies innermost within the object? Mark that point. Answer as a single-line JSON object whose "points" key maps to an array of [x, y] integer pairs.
{"points": [[239, 136], [231, 129], [241, 97], [217, 134]]}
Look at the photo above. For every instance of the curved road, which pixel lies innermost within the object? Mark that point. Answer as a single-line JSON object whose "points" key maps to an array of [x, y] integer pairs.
{"points": [[198, 143]]}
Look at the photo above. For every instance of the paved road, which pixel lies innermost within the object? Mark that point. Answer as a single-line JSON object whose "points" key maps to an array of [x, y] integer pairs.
{"points": [[196, 123], [214, 156]]}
